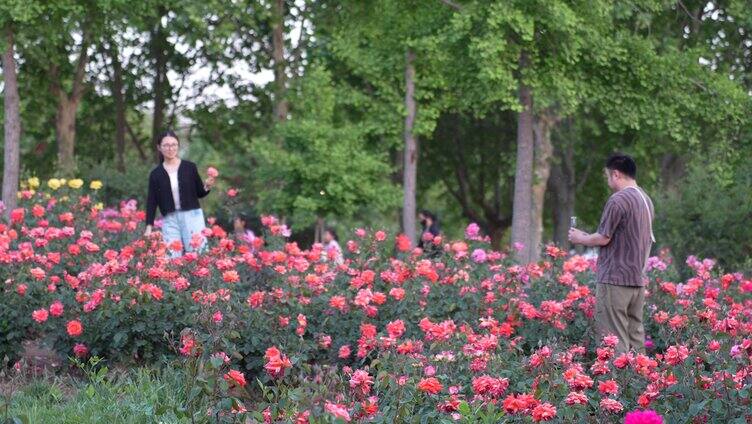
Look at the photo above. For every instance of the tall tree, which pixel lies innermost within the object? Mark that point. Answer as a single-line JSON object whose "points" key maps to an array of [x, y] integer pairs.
{"points": [[542, 127], [117, 86], [393, 52], [68, 102], [12, 122], [59, 51], [13, 13], [410, 151], [278, 16], [522, 216], [159, 49]]}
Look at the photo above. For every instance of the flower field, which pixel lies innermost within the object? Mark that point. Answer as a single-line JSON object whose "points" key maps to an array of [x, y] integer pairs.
{"points": [[272, 333]]}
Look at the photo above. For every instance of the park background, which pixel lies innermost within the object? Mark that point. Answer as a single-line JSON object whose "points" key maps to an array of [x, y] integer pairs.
{"points": [[496, 115], [307, 108]]}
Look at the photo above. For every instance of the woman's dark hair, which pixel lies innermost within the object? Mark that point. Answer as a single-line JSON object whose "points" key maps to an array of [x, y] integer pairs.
{"points": [[162, 136], [622, 163], [428, 214], [331, 231], [243, 217]]}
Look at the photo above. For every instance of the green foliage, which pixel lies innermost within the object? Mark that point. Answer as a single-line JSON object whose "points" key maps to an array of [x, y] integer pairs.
{"points": [[652, 78], [323, 167], [709, 217], [116, 185]]}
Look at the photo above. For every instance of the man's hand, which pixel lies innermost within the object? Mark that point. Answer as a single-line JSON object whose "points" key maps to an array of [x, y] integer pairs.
{"points": [[577, 236], [591, 240]]}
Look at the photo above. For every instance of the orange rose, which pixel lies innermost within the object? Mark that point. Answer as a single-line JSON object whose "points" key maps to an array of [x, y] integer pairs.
{"points": [[75, 328], [236, 377], [430, 385]]}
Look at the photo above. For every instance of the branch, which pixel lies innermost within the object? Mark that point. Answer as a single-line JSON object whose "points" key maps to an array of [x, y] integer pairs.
{"points": [[135, 141], [691, 16], [462, 199], [452, 4], [83, 57], [177, 99], [55, 88], [478, 194], [585, 175]]}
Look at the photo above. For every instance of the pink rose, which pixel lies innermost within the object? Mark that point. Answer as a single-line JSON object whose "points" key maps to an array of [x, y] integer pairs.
{"points": [[479, 256], [472, 231], [80, 350], [212, 172], [56, 309]]}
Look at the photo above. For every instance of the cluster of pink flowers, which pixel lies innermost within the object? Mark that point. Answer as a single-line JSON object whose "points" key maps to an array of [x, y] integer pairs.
{"points": [[467, 325]]}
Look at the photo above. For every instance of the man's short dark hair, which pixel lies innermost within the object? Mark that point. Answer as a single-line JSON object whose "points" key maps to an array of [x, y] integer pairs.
{"points": [[622, 163]]}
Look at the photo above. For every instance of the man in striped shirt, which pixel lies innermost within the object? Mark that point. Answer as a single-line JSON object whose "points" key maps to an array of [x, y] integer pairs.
{"points": [[625, 236]]}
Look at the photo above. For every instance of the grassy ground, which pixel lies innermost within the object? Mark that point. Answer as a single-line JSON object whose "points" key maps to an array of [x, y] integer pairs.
{"points": [[97, 395]]}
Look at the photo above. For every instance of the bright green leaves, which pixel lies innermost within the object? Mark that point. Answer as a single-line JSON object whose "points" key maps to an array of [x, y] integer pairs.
{"points": [[323, 166]]}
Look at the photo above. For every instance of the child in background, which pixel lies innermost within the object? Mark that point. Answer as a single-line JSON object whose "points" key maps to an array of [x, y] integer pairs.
{"points": [[331, 246]]}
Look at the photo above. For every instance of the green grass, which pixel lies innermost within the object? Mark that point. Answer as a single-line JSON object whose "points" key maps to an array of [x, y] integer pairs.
{"points": [[141, 395]]}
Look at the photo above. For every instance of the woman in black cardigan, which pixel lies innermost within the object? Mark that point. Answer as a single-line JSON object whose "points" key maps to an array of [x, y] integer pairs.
{"points": [[175, 187]]}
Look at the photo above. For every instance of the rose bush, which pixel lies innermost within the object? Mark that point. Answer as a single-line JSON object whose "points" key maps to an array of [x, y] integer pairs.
{"points": [[277, 332]]}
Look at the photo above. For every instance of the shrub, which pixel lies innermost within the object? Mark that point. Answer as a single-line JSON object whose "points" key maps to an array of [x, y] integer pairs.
{"points": [[709, 218]]}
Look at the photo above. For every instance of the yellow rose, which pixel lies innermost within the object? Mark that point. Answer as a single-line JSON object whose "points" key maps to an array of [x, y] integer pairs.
{"points": [[33, 182], [77, 183], [54, 183], [63, 181], [99, 206], [95, 185]]}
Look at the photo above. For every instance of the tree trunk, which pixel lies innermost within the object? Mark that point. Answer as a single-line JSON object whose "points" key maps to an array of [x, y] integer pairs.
{"points": [[318, 233], [523, 179], [119, 97], [563, 190], [410, 168], [161, 83], [278, 55], [672, 171], [496, 233], [67, 108], [12, 116], [543, 152], [136, 142], [65, 128]]}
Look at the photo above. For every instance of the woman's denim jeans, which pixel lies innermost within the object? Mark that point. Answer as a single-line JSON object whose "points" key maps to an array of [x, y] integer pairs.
{"points": [[182, 225]]}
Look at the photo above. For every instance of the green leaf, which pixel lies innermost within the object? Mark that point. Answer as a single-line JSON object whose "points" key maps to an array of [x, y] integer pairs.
{"points": [[464, 409], [21, 419], [696, 408]]}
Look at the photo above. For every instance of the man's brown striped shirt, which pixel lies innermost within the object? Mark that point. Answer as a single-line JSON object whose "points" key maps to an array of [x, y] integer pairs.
{"points": [[627, 222]]}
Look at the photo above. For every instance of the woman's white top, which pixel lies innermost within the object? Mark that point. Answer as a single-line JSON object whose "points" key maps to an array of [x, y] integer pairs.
{"points": [[173, 174]]}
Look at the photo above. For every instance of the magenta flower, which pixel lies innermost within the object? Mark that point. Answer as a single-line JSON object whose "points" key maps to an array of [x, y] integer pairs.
{"points": [[472, 231], [643, 417], [479, 256]]}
